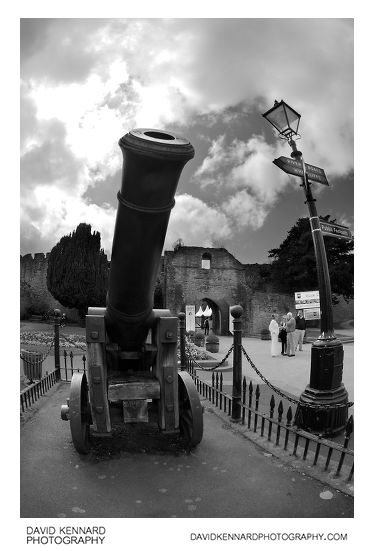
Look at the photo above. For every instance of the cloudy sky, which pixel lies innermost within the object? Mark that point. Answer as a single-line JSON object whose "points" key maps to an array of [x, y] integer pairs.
{"points": [[87, 82]]}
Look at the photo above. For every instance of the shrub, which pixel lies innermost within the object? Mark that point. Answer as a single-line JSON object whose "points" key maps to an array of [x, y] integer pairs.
{"points": [[212, 343]]}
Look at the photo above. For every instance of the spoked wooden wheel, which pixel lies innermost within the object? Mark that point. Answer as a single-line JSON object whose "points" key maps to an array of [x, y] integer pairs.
{"points": [[190, 410], [79, 412]]}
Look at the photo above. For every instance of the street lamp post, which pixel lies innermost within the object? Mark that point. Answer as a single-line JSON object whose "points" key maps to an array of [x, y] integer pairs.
{"points": [[324, 403]]}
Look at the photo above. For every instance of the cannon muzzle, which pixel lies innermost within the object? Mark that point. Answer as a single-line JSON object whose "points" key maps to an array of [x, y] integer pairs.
{"points": [[152, 163]]}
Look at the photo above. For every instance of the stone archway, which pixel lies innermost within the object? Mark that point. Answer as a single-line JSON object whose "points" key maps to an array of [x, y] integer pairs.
{"points": [[216, 314]]}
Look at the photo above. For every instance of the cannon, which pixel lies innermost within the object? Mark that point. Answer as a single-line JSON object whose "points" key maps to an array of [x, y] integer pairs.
{"points": [[132, 371]]}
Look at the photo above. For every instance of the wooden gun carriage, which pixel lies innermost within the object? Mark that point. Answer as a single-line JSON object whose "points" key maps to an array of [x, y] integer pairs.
{"points": [[131, 347]]}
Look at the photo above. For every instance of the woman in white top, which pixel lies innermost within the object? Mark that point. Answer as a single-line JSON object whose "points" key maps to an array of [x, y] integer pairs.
{"points": [[274, 332]]}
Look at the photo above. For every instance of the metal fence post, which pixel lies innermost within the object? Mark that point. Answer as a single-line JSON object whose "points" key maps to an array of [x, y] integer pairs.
{"points": [[237, 312], [57, 319], [182, 339]]}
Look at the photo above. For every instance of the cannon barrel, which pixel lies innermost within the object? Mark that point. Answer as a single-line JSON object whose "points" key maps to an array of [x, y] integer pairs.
{"points": [[152, 163]]}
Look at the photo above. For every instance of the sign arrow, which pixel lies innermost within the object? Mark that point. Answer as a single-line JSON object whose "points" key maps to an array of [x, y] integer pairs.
{"points": [[294, 167]]}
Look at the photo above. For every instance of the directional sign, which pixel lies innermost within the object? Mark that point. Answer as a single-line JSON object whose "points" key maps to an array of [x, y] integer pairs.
{"points": [[335, 230], [293, 166]]}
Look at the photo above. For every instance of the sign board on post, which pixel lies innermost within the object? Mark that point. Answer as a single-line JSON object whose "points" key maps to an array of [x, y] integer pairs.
{"points": [[295, 167], [312, 314], [190, 317], [307, 299], [335, 230]]}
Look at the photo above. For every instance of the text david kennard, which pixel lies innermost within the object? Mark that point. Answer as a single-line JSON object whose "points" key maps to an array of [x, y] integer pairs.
{"points": [[44, 535]]}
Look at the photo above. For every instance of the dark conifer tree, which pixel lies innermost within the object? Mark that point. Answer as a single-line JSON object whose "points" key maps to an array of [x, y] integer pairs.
{"points": [[77, 273]]}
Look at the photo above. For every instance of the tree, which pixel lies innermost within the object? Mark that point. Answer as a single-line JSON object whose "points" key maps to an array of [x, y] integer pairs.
{"points": [[294, 262], [77, 272]]}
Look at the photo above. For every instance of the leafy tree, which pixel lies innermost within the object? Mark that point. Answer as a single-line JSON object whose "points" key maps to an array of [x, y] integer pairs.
{"points": [[77, 272], [294, 262]]}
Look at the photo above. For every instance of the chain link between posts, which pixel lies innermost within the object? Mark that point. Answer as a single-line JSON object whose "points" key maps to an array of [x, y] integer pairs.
{"points": [[210, 368], [293, 400], [28, 361]]}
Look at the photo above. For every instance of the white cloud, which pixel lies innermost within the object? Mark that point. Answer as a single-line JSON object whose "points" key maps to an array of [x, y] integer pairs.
{"points": [[245, 210], [245, 167], [196, 223], [52, 212], [91, 81], [184, 66]]}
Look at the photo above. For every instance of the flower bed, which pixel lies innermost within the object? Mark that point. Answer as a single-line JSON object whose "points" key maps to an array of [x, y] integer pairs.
{"points": [[194, 352], [44, 339], [35, 340]]}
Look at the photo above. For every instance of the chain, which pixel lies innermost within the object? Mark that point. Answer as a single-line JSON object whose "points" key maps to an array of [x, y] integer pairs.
{"points": [[216, 366], [30, 362], [278, 391]]}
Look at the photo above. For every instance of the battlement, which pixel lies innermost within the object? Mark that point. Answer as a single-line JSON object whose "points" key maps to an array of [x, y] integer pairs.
{"points": [[31, 266]]}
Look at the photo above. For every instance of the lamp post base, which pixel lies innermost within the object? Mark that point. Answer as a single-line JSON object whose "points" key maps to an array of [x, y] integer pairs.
{"points": [[322, 420], [317, 412]]}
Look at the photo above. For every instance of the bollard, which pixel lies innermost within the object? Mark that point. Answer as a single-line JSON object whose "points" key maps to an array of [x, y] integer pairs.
{"points": [[56, 318], [182, 339], [237, 312]]}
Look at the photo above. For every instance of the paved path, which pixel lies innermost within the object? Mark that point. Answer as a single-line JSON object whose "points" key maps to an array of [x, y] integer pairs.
{"points": [[290, 374], [225, 476]]}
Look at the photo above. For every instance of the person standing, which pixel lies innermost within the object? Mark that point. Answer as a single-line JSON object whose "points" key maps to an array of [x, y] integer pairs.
{"points": [[300, 329], [206, 327], [283, 335], [290, 328], [274, 332]]}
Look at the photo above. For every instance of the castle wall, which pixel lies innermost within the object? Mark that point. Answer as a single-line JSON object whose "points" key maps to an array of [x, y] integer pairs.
{"points": [[183, 281], [226, 283], [34, 291], [188, 283]]}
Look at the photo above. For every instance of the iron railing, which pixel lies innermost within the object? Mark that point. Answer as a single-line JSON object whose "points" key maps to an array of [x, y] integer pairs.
{"points": [[70, 366], [33, 392], [272, 427]]}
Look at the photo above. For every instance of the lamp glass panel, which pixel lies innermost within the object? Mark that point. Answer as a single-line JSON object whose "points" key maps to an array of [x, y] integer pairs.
{"points": [[293, 118], [278, 118]]}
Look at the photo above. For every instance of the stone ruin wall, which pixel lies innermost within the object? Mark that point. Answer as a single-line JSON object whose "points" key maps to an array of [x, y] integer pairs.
{"points": [[227, 282], [183, 281], [33, 272]]}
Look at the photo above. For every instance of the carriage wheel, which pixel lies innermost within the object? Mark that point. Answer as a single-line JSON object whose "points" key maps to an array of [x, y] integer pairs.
{"points": [[79, 412], [190, 410]]}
